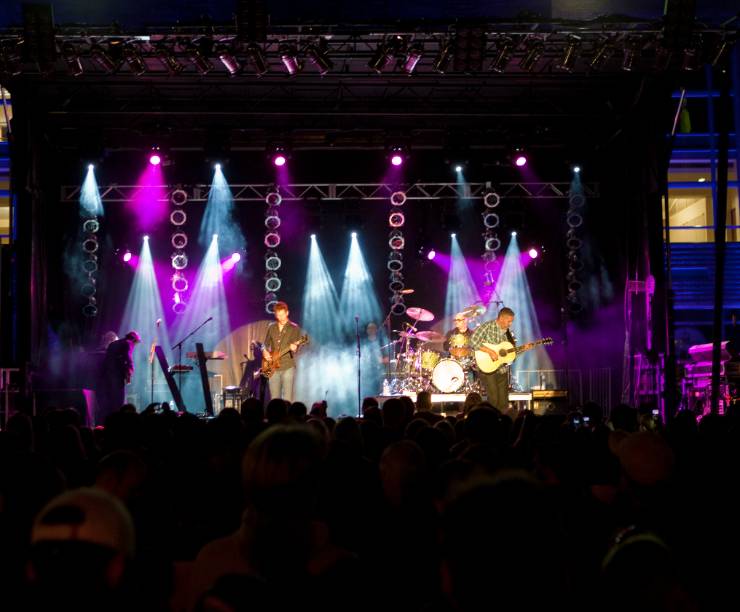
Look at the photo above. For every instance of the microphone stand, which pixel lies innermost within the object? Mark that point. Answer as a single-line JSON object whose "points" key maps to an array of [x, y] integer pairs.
{"points": [[178, 346], [390, 345], [359, 377]]}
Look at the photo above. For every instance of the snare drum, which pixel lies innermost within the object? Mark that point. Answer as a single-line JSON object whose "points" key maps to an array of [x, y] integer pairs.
{"points": [[459, 346], [429, 359], [448, 376]]}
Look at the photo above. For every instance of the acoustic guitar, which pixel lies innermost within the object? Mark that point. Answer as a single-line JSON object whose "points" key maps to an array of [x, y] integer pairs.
{"points": [[507, 352], [270, 367]]}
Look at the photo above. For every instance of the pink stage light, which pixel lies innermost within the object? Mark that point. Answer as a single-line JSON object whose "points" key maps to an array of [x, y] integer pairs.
{"points": [[520, 161], [279, 160], [431, 254], [155, 159], [127, 256], [235, 257], [533, 253], [396, 159]]}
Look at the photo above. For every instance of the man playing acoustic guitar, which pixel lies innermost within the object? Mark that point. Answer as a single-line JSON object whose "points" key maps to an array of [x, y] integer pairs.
{"points": [[281, 344], [494, 332]]}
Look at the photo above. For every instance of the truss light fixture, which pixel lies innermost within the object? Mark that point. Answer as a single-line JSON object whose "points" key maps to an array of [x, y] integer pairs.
{"points": [[72, 59], [134, 59], [444, 56], [289, 56], [317, 55], [103, 59], [413, 55], [501, 59], [535, 50], [256, 59], [202, 64], [570, 54], [228, 59], [168, 60]]}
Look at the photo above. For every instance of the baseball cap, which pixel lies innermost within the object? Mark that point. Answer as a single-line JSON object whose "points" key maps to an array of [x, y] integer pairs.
{"points": [[86, 515]]}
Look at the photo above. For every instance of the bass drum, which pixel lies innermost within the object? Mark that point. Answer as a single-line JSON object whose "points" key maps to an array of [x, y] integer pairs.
{"points": [[448, 376]]}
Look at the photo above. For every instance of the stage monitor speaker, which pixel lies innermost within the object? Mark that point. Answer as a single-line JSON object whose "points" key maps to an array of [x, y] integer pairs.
{"points": [[550, 401]]}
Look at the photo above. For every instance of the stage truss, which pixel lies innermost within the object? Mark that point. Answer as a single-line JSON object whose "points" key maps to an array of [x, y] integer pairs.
{"points": [[346, 191]]}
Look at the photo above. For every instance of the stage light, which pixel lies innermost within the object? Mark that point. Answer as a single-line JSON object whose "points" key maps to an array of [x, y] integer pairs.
{"points": [[179, 240], [570, 54], [443, 57], [179, 282], [458, 168], [630, 53], [533, 253], [228, 60], [396, 219], [289, 57], [317, 55], [256, 58], [396, 159], [215, 237], [72, 59], [273, 198], [398, 198], [127, 256], [577, 169], [701, 179], [179, 261], [513, 234], [146, 238], [313, 236], [103, 59], [217, 166], [602, 52], [202, 64], [534, 52], [279, 160], [90, 167], [413, 55], [133, 59], [490, 219], [178, 217], [383, 56], [503, 55], [168, 60], [354, 234], [491, 199], [520, 160], [431, 254], [155, 158], [236, 257], [91, 226], [178, 197]]}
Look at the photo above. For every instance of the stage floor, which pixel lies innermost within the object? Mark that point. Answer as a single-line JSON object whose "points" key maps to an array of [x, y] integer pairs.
{"points": [[459, 398]]}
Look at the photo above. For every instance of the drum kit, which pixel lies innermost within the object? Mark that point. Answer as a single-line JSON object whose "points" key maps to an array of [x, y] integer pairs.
{"points": [[419, 366]]}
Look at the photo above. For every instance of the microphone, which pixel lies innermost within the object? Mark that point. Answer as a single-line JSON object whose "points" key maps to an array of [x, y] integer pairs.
{"points": [[158, 322], [357, 317], [406, 291], [209, 319]]}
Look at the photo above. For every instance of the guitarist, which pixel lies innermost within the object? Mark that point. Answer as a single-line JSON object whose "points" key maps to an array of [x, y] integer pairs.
{"points": [[494, 332], [281, 335]]}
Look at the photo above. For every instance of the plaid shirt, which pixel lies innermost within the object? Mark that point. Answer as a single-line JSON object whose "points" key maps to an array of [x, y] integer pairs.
{"points": [[490, 333]]}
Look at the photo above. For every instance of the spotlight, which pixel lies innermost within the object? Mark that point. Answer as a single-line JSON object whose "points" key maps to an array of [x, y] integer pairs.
{"points": [[146, 238], [179, 240], [155, 159], [72, 59], [398, 198], [458, 168], [279, 160], [215, 237], [178, 197], [202, 64], [354, 234], [317, 55], [289, 57], [491, 199], [272, 240], [133, 59], [313, 236], [273, 198], [226, 55], [396, 219], [533, 253], [534, 52], [577, 169], [179, 261], [90, 245], [91, 226], [490, 220], [443, 57], [453, 235], [103, 59], [90, 167], [431, 254], [179, 282], [413, 55], [520, 160], [382, 57], [236, 257], [168, 59], [217, 166], [570, 54], [256, 58], [513, 234], [602, 52], [503, 55], [398, 155], [396, 159], [127, 256]]}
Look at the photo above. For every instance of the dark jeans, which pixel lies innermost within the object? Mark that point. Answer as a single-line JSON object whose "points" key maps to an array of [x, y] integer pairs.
{"points": [[496, 385]]}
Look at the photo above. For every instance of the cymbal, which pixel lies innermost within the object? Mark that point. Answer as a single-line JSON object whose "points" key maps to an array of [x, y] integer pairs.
{"points": [[409, 335], [476, 310], [420, 314], [430, 336]]}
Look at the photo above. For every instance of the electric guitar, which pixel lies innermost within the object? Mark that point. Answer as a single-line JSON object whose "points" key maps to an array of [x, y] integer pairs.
{"points": [[270, 367], [507, 352]]}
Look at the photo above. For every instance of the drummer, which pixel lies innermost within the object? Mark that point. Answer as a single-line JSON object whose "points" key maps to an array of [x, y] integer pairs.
{"points": [[458, 337]]}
